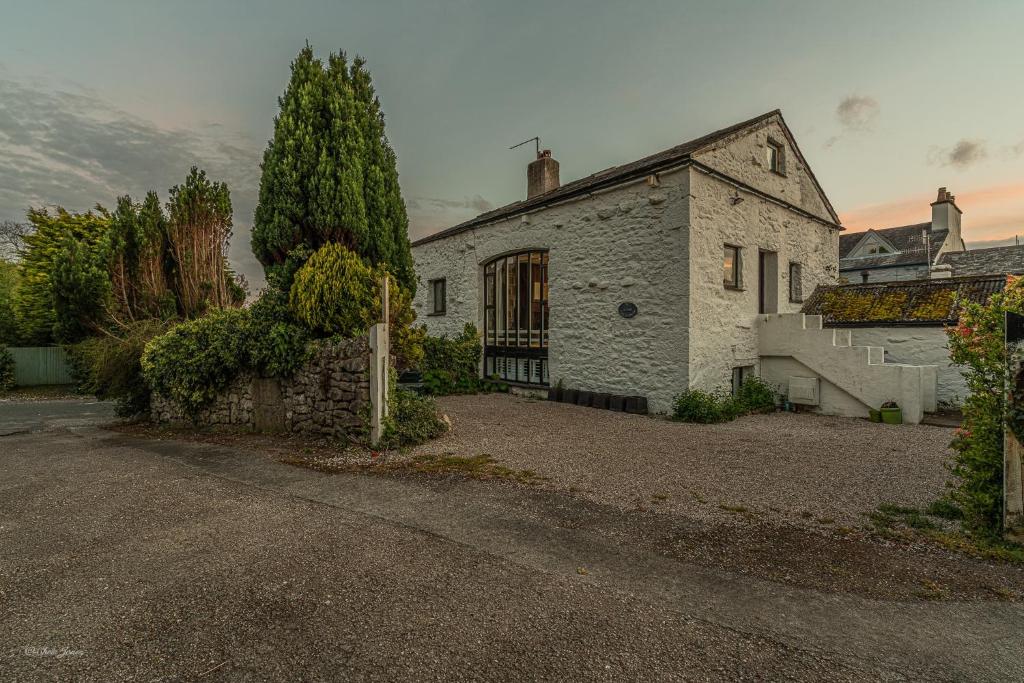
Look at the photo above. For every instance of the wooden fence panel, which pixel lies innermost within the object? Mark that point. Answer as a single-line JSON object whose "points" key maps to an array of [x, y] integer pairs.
{"points": [[39, 365]]}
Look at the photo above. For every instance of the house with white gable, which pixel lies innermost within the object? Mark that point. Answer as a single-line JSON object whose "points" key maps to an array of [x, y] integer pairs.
{"points": [[651, 277], [906, 252]]}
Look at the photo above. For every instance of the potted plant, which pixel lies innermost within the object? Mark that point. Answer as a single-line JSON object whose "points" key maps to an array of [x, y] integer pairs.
{"points": [[892, 414]]}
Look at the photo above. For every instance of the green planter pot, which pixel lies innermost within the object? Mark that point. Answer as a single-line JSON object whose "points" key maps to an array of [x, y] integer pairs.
{"points": [[874, 415], [892, 416]]}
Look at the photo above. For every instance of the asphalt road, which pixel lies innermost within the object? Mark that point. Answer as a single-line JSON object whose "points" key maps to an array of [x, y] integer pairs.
{"points": [[17, 417], [154, 560]]}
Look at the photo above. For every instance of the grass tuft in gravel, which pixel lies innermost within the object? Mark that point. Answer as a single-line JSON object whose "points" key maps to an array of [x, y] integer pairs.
{"points": [[936, 525]]}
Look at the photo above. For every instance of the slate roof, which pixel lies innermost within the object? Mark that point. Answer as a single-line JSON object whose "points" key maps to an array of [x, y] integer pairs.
{"points": [[991, 261], [615, 175], [908, 241], [909, 302]]}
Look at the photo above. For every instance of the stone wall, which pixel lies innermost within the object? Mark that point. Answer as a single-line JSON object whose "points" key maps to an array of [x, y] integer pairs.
{"points": [[328, 395]]}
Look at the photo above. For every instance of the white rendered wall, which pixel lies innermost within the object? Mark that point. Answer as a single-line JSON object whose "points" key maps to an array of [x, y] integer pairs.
{"points": [[625, 245], [722, 330], [918, 345]]}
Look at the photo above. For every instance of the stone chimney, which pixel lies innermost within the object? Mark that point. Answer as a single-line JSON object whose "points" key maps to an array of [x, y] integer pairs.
{"points": [[945, 213], [541, 175]]}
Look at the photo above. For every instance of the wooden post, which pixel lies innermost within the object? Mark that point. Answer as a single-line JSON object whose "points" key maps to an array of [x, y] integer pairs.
{"points": [[1013, 483]]}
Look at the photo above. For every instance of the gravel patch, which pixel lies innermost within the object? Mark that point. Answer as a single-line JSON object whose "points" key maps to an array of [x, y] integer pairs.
{"points": [[795, 468]]}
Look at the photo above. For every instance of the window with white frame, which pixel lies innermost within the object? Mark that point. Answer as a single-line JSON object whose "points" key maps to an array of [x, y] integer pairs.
{"points": [[776, 157], [732, 267]]}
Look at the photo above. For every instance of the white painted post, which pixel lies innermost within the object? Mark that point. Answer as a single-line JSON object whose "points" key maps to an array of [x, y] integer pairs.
{"points": [[380, 359]]}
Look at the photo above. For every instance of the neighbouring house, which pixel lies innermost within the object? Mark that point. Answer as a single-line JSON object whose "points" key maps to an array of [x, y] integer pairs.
{"points": [[908, 252], [990, 261], [908, 320], [643, 279]]}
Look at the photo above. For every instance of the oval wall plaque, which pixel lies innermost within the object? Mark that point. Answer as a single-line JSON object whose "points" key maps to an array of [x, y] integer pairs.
{"points": [[627, 309]]}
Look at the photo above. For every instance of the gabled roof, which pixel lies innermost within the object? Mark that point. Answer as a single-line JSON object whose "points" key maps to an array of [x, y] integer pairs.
{"points": [[908, 240], [669, 158], [991, 261], [909, 302]]}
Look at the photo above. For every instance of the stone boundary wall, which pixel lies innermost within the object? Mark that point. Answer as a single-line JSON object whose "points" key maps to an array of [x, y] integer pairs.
{"points": [[328, 395]]}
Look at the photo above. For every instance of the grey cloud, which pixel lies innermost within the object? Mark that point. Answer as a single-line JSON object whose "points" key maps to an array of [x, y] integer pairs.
{"points": [[475, 203], [857, 112], [75, 150], [963, 154]]}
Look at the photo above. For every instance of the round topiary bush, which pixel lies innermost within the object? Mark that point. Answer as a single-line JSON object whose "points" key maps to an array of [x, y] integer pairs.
{"points": [[336, 293]]}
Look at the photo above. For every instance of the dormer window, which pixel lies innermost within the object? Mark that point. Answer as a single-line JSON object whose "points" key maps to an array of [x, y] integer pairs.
{"points": [[776, 157]]}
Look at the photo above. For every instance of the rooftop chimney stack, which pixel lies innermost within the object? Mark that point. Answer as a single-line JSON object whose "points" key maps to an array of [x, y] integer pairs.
{"points": [[541, 175], [946, 215]]}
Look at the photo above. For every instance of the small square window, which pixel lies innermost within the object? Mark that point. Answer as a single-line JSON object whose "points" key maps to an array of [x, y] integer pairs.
{"points": [[732, 267], [776, 157], [796, 294], [438, 301]]}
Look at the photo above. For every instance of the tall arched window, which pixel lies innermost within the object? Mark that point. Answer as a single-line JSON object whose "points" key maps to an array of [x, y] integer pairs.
{"points": [[516, 317]]}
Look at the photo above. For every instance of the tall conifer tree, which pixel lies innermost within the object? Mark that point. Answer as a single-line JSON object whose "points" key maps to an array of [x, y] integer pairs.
{"points": [[329, 173]]}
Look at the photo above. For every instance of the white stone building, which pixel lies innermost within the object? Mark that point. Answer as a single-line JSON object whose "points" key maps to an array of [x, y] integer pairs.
{"points": [[643, 279]]}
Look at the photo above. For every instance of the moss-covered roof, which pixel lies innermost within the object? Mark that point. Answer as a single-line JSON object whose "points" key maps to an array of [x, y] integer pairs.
{"points": [[913, 302]]}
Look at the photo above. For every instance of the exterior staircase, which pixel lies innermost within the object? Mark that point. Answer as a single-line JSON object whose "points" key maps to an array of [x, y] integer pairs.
{"points": [[852, 379]]}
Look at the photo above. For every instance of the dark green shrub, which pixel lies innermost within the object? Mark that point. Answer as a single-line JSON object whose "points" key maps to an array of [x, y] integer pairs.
{"points": [[702, 407], [197, 359], [412, 419], [276, 345], [110, 367], [6, 370], [756, 396], [452, 366]]}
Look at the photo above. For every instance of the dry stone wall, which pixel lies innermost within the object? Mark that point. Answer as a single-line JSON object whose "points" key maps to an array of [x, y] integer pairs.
{"points": [[328, 395]]}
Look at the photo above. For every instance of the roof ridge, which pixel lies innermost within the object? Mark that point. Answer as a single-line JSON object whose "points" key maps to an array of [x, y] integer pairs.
{"points": [[614, 174]]}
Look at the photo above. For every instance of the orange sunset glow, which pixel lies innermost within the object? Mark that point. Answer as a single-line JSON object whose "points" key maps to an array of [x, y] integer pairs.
{"points": [[990, 213]]}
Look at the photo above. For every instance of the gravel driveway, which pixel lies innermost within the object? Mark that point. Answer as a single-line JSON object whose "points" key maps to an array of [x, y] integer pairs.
{"points": [[794, 467]]}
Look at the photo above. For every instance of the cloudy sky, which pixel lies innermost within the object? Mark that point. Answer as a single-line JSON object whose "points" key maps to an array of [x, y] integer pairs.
{"points": [[889, 100]]}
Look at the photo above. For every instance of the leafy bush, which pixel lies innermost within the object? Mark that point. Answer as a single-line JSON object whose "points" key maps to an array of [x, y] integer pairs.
{"points": [[6, 369], [977, 344], [276, 345], [197, 359], [412, 419], [452, 366], [111, 366], [694, 405], [754, 396]]}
